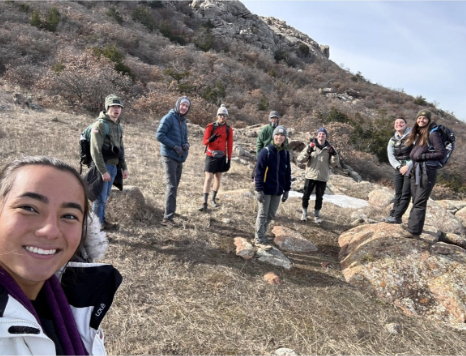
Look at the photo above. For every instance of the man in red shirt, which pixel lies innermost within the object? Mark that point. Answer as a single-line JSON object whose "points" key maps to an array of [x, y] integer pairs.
{"points": [[218, 137]]}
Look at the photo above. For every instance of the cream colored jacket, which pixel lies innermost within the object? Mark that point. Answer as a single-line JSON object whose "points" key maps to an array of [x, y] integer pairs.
{"points": [[318, 162]]}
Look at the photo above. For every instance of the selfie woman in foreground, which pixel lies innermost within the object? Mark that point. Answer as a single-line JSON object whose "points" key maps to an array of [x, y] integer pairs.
{"points": [[49, 305]]}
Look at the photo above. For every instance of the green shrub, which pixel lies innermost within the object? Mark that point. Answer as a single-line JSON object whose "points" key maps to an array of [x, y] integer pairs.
{"points": [[35, 19], [214, 95], [166, 31], [58, 67], [24, 8], [420, 100], [263, 104], [280, 54], [204, 41], [52, 20], [144, 16], [112, 53], [115, 14], [176, 75], [304, 49]]}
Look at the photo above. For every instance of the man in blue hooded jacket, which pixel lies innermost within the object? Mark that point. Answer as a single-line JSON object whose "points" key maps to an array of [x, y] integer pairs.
{"points": [[173, 137]]}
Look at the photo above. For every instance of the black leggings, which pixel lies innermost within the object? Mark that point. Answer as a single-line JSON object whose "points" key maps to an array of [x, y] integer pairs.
{"points": [[320, 190]]}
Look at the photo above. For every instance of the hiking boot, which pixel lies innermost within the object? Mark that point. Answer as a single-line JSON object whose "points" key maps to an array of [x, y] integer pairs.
{"points": [[317, 220], [304, 217], [168, 222], [393, 220], [214, 204], [203, 208]]}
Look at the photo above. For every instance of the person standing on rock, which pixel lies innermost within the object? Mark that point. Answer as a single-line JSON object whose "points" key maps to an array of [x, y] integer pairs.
{"points": [[398, 156], [273, 183], [318, 155], [265, 137], [108, 153], [173, 137], [218, 137], [427, 151]]}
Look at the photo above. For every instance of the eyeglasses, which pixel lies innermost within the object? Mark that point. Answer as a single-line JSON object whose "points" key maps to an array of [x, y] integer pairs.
{"points": [[222, 115]]}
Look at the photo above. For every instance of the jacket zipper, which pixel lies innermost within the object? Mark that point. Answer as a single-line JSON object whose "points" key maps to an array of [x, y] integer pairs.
{"points": [[278, 167]]}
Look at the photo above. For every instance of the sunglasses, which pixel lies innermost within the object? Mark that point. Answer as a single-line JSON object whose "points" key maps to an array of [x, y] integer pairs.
{"points": [[221, 115]]}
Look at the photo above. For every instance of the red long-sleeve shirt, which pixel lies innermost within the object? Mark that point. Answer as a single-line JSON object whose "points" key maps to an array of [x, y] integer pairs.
{"points": [[221, 143]]}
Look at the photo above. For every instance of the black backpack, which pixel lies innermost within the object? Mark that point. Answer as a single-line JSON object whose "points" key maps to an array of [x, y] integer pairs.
{"points": [[214, 127], [85, 157], [448, 140]]}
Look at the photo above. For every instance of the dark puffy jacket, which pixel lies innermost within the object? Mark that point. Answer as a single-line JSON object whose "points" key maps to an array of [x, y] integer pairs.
{"points": [[172, 132], [431, 152], [273, 171]]}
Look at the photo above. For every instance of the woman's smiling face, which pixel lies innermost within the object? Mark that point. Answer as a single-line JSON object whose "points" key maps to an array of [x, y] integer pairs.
{"points": [[41, 222]]}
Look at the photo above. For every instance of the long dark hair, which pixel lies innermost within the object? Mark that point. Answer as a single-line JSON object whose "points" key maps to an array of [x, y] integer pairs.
{"points": [[418, 134], [8, 175]]}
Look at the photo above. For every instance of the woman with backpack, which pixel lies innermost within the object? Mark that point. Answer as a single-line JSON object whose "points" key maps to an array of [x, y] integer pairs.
{"points": [[48, 304], [428, 149], [218, 139]]}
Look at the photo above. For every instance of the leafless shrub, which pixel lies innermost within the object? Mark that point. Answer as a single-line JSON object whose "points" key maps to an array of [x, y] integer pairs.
{"points": [[84, 80]]}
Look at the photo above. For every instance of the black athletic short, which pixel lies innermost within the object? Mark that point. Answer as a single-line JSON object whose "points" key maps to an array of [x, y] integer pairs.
{"points": [[215, 165]]}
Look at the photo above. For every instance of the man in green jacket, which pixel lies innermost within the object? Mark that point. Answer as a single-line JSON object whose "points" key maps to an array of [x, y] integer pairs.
{"points": [[108, 152], [265, 137]]}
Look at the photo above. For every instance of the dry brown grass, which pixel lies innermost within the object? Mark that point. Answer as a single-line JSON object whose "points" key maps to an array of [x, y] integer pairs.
{"points": [[186, 292]]}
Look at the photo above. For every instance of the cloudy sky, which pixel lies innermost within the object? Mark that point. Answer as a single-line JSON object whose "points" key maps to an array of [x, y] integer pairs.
{"points": [[418, 46]]}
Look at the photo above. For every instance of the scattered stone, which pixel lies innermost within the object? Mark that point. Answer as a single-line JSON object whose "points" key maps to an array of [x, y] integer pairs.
{"points": [[326, 265], [251, 133], [452, 206], [226, 221], [394, 328], [455, 240], [272, 279], [275, 257], [290, 240], [283, 351], [243, 248], [243, 162]]}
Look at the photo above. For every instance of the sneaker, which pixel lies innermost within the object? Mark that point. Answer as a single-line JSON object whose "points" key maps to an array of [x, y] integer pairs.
{"points": [[203, 208], [168, 222], [393, 220], [317, 220], [263, 246], [214, 204], [304, 217]]}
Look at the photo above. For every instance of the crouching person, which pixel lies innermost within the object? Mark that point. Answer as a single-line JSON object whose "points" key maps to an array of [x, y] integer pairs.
{"points": [[273, 183], [319, 156]]}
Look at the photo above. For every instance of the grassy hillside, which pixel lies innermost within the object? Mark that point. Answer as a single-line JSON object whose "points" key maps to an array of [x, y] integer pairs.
{"points": [[70, 55], [184, 289]]}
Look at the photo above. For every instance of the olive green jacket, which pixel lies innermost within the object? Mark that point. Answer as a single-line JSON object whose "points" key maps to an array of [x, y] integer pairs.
{"points": [[114, 138]]}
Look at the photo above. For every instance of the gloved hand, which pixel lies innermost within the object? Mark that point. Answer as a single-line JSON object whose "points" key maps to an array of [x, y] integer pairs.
{"points": [[214, 137], [179, 151], [260, 196], [185, 147], [310, 148], [227, 166], [285, 196], [332, 151]]}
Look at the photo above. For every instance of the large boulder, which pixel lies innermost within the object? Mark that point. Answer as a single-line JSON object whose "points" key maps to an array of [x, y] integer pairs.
{"points": [[452, 206], [420, 276], [461, 215], [440, 218]]}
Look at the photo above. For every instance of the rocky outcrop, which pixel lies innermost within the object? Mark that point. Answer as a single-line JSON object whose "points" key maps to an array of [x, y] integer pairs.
{"points": [[232, 20], [420, 276], [381, 198]]}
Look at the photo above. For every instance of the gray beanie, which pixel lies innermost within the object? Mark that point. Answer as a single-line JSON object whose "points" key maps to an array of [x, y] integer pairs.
{"points": [[111, 100], [425, 113], [274, 114], [222, 110], [280, 130]]}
